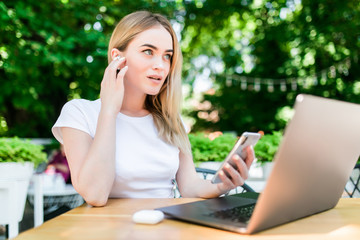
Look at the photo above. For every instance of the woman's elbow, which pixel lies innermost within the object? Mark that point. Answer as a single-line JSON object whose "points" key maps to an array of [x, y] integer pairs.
{"points": [[96, 202], [93, 198], [187, 193]]}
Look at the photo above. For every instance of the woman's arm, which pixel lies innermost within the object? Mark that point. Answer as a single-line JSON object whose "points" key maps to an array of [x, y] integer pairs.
{"points": [[190, 185], [92, 161]]}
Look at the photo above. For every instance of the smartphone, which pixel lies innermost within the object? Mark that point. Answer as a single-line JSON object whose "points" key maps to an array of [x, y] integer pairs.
{"points": [[246, 139]]}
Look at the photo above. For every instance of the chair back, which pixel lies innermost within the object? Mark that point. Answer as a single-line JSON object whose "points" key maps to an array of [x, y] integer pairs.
{"points": [[352, 188]]}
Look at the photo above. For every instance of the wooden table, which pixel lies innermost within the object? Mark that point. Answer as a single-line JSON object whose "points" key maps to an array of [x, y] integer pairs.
{"points": [[114, 222]]}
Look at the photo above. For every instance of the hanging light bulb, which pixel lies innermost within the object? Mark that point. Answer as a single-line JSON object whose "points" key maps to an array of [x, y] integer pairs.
{"points": [[243, 84], [293, 84], [257, 85], [270, 86], [283, 85], [332, 72], [323, 78], [228, 81], [315, 81]]}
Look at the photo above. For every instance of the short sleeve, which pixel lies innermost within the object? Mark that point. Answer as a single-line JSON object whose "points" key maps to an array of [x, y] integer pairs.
{"points": [[73, 115]]}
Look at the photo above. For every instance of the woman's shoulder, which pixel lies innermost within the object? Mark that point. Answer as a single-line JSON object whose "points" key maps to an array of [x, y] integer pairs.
{"points": [[83, 104], [80, 114]]}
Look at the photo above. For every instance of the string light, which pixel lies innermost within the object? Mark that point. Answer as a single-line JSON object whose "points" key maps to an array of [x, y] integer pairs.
{"points": [[257, 85], [293, 84], [229, 81], [270, 86], [251, 83], [283, 86]]}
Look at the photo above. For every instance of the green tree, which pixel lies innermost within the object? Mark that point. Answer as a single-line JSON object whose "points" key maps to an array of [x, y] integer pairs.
{"points": [[53, 51], [310, 45]]}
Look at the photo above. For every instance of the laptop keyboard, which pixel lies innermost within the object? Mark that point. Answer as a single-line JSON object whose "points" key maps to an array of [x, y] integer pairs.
{"points": [[236, 214]]}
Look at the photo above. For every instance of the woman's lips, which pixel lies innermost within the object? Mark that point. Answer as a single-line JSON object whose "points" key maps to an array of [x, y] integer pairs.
{"points": [[155, 78]]}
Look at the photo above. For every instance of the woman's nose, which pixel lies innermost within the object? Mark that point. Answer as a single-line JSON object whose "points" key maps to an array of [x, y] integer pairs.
{"points": [[158, 64]]}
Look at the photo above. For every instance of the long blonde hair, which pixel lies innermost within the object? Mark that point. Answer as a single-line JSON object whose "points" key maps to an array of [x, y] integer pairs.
{"points": [[165, 106]]}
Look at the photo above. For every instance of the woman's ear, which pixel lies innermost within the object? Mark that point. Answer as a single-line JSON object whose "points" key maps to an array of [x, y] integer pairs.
{"points": [[115, 52]]}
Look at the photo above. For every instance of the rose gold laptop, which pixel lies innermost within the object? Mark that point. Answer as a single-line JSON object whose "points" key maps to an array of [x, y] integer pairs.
{"points": [[320, 147]]}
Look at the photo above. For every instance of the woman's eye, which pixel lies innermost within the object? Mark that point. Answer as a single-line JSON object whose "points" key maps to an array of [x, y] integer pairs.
{"points": [[168, 56], [148, 52]]}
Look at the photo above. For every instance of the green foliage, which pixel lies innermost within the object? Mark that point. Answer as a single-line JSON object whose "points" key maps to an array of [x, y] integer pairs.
{"points": [[267, 146], [52, 51], [204, 149], [276, 40], [17, 150]]}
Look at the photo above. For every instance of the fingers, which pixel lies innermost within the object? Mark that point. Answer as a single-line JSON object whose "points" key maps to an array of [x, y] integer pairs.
{"points": [[116, 62], [250, 156], [234, 175], [241, 166], [115, 65], [239, 172], [122, 72], [226, 184], [117, 57], [112, 69]]}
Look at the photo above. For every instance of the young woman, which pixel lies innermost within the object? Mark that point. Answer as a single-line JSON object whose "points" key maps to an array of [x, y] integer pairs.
{"points": [[131, 143]]}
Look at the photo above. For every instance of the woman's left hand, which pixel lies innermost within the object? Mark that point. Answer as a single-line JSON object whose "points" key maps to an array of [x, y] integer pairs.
{"points": [[232, 177]]}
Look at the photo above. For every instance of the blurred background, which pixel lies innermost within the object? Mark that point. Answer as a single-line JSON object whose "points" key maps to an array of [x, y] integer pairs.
{"points": [[244, 60], [244, 63]]}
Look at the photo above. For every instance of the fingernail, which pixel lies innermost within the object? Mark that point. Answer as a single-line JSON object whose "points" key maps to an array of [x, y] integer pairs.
{"points": [[119, 58]]}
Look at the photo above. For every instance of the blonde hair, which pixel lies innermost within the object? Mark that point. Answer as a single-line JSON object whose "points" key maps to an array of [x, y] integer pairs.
{"points": [[165, 106]]}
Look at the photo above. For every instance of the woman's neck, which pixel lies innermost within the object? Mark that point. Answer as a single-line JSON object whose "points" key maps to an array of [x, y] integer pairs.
{"points": [[133, 105]]}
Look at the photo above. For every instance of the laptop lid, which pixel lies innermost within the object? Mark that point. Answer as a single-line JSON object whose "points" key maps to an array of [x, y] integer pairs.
{"points": [[320, 147]]}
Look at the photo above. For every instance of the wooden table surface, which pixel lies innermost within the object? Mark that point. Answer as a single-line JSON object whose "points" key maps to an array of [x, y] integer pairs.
{"points": [[114, 222]]}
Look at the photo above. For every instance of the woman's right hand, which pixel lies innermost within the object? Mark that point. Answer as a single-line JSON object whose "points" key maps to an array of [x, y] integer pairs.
{"points": [[112, 86]]}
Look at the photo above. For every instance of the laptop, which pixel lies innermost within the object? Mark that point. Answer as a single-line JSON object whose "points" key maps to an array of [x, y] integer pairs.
{"points": [[320, 147]]}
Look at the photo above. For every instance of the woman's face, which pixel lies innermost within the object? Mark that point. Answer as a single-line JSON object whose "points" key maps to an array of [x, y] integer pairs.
{"points": [[148, 57]]}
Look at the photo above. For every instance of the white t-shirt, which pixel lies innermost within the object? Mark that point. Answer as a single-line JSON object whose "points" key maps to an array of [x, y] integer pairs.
{"points": [[145, 164]]}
